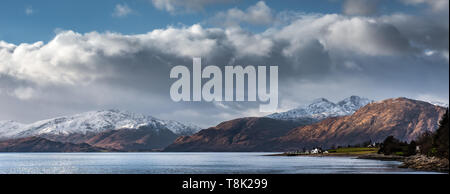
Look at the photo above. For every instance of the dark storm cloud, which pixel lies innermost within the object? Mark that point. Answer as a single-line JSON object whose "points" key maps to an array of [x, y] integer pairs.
{"points": [[426, 32]]}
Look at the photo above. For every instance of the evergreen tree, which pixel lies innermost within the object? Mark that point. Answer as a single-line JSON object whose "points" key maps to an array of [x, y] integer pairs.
{"points": [[441, 138], [411, 148], [426, 143]]}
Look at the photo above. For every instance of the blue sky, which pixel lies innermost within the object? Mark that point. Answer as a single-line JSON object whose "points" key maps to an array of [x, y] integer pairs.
{"points": [[47, 16]]}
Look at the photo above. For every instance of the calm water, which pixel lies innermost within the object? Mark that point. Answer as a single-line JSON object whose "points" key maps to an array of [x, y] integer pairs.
{"points": [[192, 163]]}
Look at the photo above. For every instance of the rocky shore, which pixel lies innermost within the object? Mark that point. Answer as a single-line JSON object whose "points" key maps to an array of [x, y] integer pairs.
{"points": [[421, 162], [417, 162]]}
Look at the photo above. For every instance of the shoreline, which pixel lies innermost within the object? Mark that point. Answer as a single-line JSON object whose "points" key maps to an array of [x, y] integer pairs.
{"points": [[422, 162], [416, 162]]}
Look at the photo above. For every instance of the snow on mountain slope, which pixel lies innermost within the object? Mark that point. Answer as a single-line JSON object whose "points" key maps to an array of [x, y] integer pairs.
{"points": [[322, 108], [10, 128], [441, 104], [93, 121], [353, 103]]}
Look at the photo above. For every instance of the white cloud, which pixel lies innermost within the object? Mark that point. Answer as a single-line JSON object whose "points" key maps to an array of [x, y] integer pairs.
{"points": [[174, 6], [122, 10], [258, 14], [432, 99], [249, 44], [341, 34], [73, 58], [29, 10], [366, 36], [23, 93], [220, 105]]}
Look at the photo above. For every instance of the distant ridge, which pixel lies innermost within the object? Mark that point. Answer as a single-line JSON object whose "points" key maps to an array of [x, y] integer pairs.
{"points": [[102, 130], [39, 144], [402, 118], [322, 108]]}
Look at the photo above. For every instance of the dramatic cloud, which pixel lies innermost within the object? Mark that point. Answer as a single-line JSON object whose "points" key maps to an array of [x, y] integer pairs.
{"points": [[122, 10], [342, 34], [330, 55], [429, 35], [73, 58], [367, 37]]}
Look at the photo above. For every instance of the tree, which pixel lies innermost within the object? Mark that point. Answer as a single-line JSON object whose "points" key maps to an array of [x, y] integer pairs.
{"points": [[425, 141], [391, 145], [411, 148], [441, 137], [367, 143]]}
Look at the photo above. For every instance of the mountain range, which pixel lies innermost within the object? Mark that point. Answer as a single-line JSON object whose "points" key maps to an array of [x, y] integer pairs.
{"points": [[92, 122], [403, 118], [106, 129], [322, 123]]}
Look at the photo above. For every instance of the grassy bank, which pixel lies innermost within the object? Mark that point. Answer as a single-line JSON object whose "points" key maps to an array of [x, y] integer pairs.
{"points": [[353, 151]]}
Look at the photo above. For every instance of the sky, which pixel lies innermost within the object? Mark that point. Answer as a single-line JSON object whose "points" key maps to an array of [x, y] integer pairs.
{"points": [[66, 57]]}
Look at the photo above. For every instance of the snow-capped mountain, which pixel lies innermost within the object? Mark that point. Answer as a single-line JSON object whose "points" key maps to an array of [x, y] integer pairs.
{"points": [[322, 108], [353, 103], [441, 104], [94, 122], [10, 128]]}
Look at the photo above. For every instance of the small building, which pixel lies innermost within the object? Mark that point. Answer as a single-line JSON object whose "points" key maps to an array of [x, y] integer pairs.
{"points": [[315, 151], [372, 145]]}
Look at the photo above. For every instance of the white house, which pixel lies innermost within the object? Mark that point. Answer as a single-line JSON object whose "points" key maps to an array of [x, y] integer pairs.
{"points": [[315, 151]]}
